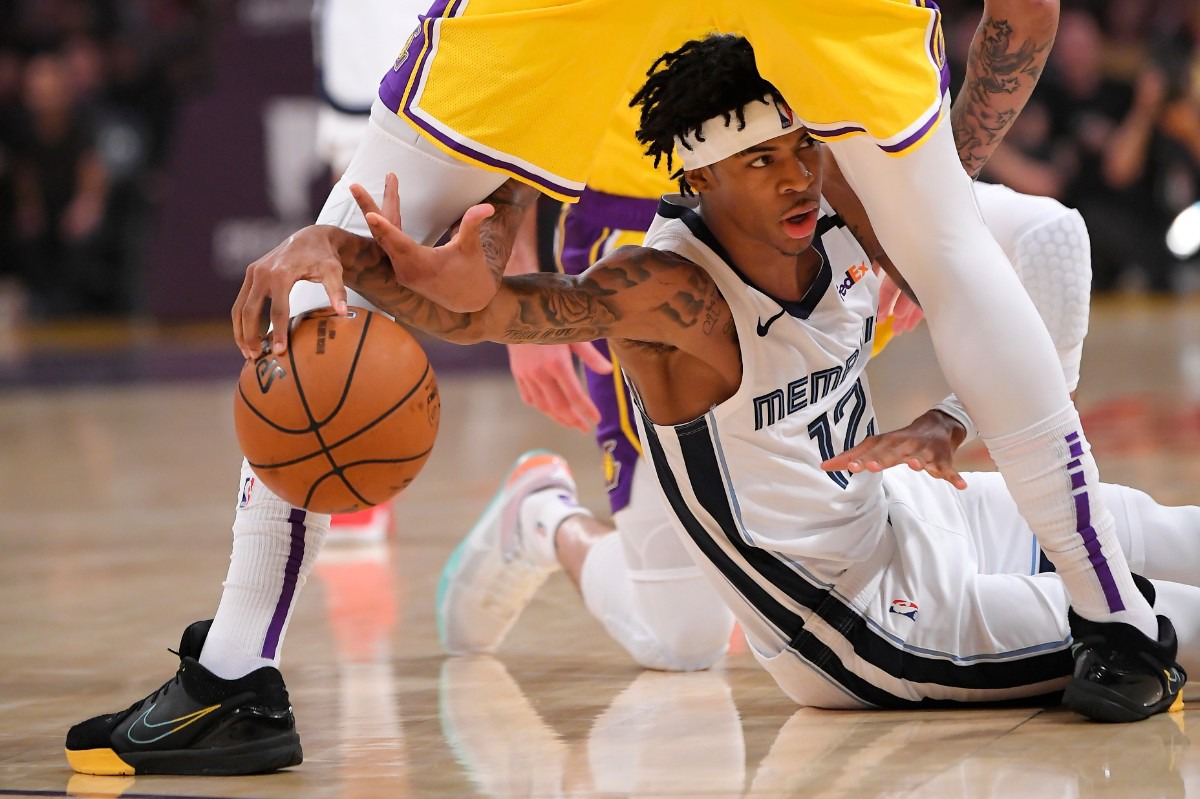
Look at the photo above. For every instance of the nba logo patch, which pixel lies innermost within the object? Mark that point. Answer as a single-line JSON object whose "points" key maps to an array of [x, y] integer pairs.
{"points": [[247, 490], [786, 117], [904, 607]]}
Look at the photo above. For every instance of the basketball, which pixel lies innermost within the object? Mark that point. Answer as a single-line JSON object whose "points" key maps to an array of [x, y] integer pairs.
{"points": [[343, 420]]}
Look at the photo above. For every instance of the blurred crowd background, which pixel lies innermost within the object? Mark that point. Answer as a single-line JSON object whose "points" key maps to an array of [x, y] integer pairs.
{"points": [[92, 94]]}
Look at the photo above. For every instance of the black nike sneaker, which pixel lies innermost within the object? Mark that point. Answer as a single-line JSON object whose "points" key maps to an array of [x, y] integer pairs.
{"points": [[1120, 674], [196, 723]]}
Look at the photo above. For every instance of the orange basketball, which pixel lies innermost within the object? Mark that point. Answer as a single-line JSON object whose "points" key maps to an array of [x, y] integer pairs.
{"points": [[343, 420]]}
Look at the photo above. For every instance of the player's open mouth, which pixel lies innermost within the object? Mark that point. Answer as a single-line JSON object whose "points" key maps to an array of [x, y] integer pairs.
{"points": [[800, 225]]}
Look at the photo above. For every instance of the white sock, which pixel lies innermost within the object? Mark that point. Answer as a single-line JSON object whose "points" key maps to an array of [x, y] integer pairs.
{"points": [[1076, 530], [274, 548], [541, 514]]}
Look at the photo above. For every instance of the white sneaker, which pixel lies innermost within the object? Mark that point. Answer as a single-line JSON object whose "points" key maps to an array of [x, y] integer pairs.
{"points": [[491, 576]]}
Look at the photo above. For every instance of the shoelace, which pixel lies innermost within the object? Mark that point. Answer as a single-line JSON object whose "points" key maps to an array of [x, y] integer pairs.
{"points": [[162, 689]]}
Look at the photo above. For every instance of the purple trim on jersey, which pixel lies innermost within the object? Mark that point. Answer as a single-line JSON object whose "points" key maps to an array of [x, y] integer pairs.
{"points": [[391, 88], [937, 48], [615, 211], [523, 174], [836, 132], [910, 140], [1091, 541], [291, 573], [932, 48]]}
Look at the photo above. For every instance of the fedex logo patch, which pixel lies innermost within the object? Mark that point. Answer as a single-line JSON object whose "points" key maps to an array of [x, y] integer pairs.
{"points": [[853, 275]]}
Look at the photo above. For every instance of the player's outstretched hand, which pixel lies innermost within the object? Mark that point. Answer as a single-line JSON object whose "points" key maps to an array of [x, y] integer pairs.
{"points": [[546, 378], [457, 275], [927, 444], [308, 254]]}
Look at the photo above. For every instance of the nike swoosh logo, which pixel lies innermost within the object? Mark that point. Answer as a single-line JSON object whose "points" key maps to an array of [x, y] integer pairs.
{"points": [[150, 726], [764, 327]]}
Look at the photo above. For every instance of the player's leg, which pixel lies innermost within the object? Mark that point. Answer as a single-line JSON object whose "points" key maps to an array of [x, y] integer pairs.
{"points": [[978, 313], [642, 584], [1159, 542], [921, 206], [232, 661], [274, 548]]}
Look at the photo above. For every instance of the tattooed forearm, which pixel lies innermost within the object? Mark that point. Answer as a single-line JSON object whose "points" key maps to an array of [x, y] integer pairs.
{"points": [[1003, 66], [367, 268]]}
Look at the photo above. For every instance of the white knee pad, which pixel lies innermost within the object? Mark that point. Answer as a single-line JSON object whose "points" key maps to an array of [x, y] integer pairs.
{"points": [[1050, 250]]}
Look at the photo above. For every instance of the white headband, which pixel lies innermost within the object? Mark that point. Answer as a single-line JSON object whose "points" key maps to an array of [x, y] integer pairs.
{"points": [[765, 119]]}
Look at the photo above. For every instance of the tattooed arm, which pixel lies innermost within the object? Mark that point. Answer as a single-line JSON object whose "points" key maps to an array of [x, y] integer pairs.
{"points": [[467, 271], [1006, 59], [634, 293]]}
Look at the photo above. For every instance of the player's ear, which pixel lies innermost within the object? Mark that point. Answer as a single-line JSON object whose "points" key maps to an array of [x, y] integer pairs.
{"points": [[699, 179]]}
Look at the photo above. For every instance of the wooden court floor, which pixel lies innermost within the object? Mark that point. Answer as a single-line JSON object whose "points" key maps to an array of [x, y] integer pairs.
{"points": [[115, 505]]}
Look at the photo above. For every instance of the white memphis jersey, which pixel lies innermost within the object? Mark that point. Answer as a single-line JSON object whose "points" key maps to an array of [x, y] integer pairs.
{"points": [[827, 587], [744, 481]]}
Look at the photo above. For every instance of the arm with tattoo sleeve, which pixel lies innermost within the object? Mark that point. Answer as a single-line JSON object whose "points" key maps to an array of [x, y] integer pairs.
{"points": [[467, 269], [1006, 59], [634, 293]]}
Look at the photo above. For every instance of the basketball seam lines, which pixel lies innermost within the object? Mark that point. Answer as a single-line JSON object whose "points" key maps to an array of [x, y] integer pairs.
{"points": [[420, 382], [337, 407]]}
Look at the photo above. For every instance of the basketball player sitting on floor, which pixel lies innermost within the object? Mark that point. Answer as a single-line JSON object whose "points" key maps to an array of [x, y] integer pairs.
{"points": [[257, 601], [744, 327], [634, 574]]}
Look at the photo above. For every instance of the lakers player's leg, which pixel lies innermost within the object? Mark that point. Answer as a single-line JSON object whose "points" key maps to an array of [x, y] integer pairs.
{"points": [[920, 203], [435, 189], [274, 548], [978, 313]]}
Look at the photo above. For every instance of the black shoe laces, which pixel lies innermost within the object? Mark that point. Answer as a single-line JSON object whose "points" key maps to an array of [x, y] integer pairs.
{"points": [[162, 689]]}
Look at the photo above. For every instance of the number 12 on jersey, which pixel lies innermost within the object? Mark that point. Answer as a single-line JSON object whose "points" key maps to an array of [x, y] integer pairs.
{"points": [[849, 410]]}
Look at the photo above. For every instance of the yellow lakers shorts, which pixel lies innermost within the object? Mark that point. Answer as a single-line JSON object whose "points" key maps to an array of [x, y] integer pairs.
{"points": [[527, 87]]}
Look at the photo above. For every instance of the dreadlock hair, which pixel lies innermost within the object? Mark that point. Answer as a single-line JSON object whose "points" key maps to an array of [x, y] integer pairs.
{"points": [[703, 79]]}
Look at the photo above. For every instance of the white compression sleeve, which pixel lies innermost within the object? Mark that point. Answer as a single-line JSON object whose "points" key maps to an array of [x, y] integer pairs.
{"points": [[435, 189], [1050, 252], [998, 358]]}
